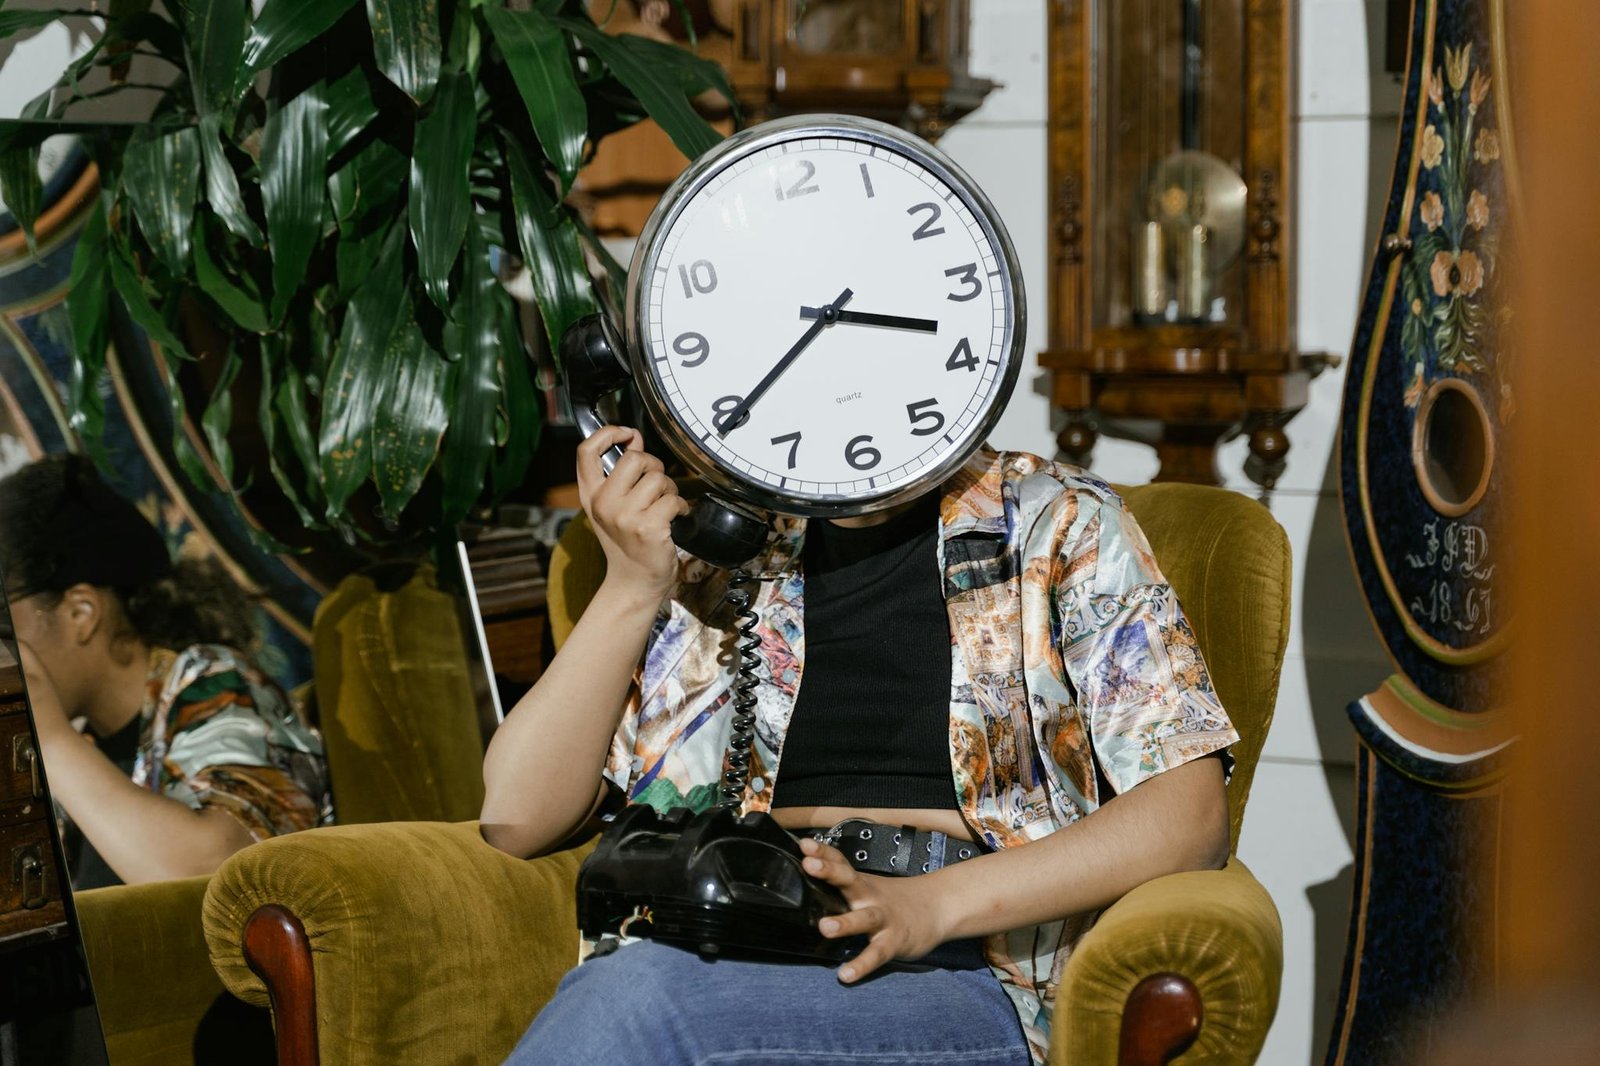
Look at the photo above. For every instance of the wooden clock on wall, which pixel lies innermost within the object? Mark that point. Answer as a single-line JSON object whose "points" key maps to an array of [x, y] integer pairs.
{"points": [[901, 61], [1171, 260]]}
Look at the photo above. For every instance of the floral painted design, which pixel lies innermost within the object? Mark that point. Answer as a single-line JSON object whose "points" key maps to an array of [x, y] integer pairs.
{"points": [[1453, 258], [1431, 211]]}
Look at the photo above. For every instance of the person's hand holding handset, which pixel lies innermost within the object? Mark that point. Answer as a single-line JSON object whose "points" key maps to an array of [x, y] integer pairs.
{"points": [[632, 511], [559, 733]]}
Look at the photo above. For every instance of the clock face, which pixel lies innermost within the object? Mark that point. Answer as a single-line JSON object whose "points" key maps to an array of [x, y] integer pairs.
{"points": [[826, 317]]}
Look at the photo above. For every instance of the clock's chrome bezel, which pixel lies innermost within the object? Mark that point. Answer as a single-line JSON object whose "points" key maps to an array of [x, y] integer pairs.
{"points": [[707, 465]]}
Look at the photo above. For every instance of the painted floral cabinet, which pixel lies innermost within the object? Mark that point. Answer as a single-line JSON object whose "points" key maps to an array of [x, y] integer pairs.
{"points": [[1428, 409]]}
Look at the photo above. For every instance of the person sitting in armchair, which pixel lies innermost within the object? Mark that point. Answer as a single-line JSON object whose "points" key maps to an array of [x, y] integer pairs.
{"points": [[195, 752], [997, 671]]}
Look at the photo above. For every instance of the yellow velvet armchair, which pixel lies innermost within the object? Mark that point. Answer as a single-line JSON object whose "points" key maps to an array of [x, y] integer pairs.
{"points": [[417, 943], [403, 743]]}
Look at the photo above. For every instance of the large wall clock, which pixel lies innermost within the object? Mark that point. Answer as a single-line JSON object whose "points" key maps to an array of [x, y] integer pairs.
{"points": [[825, 316]]}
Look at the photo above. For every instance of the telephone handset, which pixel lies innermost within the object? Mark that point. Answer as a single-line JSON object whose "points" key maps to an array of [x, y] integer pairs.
{"points": [[714, 881], [722, 532]]}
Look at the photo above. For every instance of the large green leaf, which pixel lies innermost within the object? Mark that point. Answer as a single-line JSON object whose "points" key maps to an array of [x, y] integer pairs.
{"points": [[289, 401], [78, 67], [535, 50], [87, 307], [20, 185], [355, 378], [161, 34], [407, 43], [222, 185], [550, 247], [300, 490], [16, 21], [350, 108], [659, 75], [214, 39], [161, 175], [410, 418], [182, 447], [137, 299], [19, 164], [236, 294], [440, 188], [520, 406], [217, 419], [140, 302], [472, 384], [283, 27], [616, 273], [294, 162], [367, 194]]}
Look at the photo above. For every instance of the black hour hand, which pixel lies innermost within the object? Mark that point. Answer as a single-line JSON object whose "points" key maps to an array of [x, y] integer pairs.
{"points": [[866, 318]]}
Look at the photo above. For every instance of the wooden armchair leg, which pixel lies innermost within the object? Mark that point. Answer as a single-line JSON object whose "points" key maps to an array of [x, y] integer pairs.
{"points": [[276, 948], [1161, 1020]]}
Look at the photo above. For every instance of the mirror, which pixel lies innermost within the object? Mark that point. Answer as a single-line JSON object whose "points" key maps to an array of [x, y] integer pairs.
{"points": [[47, 1007]]}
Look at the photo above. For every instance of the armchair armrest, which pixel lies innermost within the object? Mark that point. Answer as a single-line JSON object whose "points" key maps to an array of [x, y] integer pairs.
{"points": [[147, 958], [420, 944], [1216, 931]]}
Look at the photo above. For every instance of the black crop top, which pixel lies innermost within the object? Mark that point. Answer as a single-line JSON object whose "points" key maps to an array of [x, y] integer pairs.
{"points": [[871, 723]]}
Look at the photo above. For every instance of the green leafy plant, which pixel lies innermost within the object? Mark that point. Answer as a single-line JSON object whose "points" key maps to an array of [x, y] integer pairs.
{"points": [[313, 216]]}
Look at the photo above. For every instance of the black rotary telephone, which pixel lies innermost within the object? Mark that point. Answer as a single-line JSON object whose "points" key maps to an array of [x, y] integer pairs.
{"points": [[713, 881]]}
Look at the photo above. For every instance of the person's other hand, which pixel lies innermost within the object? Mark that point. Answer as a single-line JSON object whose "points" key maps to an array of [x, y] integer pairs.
{"points": [[631, 510], [900, 916], [49, 717]]}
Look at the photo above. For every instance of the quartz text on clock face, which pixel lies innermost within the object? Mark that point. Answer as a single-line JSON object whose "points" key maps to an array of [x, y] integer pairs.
{"points": [[829, 317]]}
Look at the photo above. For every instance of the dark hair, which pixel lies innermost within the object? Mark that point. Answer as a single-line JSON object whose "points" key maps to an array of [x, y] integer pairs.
{"points": [[61, 525]]}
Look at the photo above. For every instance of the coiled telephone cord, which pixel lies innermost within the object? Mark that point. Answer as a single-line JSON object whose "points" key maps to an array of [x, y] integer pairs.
{"points": [[740, 739]]}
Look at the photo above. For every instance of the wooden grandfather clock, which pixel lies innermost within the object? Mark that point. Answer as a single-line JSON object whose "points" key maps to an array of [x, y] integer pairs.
{"points": [[1171, 260]]}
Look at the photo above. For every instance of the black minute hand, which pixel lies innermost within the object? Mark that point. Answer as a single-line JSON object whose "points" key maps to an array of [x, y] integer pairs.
{"points": [[867, 318], [825, 318]]}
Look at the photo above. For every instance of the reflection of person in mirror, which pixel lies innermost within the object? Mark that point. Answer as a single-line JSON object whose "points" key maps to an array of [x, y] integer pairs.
{"points": [[188, 751]]}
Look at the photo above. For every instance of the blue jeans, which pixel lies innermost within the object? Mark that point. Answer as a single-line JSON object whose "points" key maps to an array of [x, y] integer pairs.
{"points": [[647, 1004]]}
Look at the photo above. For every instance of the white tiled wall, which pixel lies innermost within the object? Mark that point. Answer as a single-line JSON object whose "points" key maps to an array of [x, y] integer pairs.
{"points": [[1299, 831]]}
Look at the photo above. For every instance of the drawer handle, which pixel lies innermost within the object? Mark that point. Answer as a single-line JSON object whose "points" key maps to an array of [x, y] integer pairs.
{"points": [[22, 753], [28, 870]]}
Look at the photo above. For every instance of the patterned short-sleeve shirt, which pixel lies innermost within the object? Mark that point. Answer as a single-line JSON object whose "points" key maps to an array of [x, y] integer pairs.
{"points": [[1071, 663], [218, 733]]}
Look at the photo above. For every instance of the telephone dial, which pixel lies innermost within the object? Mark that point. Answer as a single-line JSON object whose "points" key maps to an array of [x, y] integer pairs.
{"points": [[824, 317]]}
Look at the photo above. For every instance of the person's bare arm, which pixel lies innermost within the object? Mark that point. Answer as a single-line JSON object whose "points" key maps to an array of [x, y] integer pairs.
{"points": [[1173, 822], [542, 775], [142, 836]]}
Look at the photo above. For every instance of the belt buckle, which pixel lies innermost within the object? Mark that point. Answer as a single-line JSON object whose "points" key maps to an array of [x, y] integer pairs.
{"points": [[833, 835]]}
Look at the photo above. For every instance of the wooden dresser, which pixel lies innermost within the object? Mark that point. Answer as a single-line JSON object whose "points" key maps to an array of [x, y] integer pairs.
{"points": [[31, 907]]}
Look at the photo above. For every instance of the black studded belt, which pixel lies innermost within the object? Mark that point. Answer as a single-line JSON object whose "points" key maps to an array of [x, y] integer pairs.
{"points": [[896, 850]]}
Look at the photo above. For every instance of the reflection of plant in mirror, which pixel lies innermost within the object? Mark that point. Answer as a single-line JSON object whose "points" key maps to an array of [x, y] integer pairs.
{"points": [[332, 184], [1453, 258]]}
